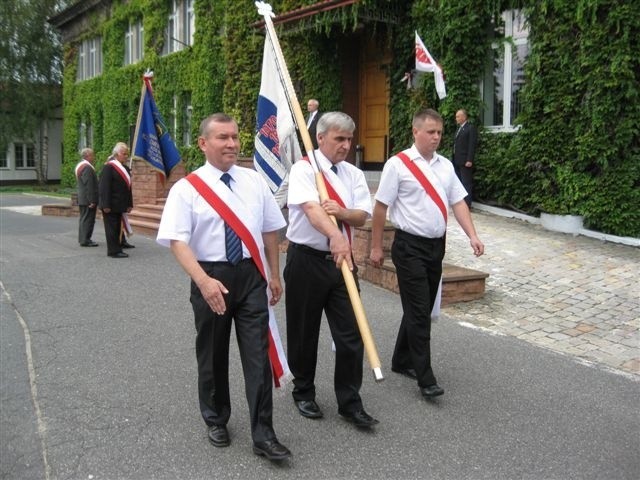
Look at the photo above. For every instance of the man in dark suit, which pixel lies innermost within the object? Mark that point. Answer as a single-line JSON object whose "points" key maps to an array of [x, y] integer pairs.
{"points": [[116, 199], [312, 120], [464, 151], [87, 197]]}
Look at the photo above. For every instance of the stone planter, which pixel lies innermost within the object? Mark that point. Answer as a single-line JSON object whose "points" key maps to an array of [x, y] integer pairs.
{"points": [[562, 223]]}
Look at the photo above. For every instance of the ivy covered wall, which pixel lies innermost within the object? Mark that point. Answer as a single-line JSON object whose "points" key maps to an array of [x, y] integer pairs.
{"points": [[577, 150]]}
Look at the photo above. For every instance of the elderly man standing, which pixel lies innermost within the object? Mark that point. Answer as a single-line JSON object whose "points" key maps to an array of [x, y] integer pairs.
{"points": [[116, 199], [313, 279], [87, 197]]}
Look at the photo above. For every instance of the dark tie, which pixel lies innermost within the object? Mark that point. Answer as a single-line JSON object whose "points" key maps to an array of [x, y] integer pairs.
{"points": [[334, 169], [232, 243]]}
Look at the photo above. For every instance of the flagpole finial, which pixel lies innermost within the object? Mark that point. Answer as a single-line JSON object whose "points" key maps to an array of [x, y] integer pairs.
{"points": [[265, 9]]}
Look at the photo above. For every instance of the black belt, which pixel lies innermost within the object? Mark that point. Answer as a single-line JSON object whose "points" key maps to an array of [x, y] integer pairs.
{"points": [[312, 251], [205, 263], [418, 238]]}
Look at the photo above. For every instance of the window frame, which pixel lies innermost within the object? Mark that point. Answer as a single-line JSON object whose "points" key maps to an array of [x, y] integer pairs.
{"points": [[89, 59], [134, 42], [509, 44], [23, 162]]}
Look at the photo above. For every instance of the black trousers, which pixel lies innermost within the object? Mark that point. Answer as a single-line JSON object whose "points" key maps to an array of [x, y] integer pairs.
{"points": [[112, 231], [418, 263], [247, 306], [313, 284], [465, 174], [86, 223]]}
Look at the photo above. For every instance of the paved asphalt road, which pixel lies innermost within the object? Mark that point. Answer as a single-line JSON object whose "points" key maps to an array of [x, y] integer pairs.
{"points": [[97, 381]]}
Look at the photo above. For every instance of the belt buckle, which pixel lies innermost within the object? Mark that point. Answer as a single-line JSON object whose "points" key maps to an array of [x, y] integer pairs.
{"points": [[328, 257]]}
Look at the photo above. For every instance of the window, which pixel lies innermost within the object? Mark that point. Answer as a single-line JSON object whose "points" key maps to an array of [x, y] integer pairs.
{"points": [[187, 114], [134, 43], [190, 21], [89, 59], [173, 118], [504, 75], [4, 161], [180, 26], [25, 155], [85, 136]]}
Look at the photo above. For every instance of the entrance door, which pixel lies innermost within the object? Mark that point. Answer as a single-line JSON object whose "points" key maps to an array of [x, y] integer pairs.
{"points": [[374, 105]]}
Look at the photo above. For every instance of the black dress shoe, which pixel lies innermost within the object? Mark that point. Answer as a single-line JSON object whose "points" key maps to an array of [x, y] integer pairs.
{"points": [[219, 436], [309, 408], [89, 244], [127, 245], [407, 372], [431, 391], [119, 255], [359, 418], [272, 449]]}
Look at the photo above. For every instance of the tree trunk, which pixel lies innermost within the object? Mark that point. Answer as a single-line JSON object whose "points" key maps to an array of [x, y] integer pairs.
{"points": [[42, 166]]}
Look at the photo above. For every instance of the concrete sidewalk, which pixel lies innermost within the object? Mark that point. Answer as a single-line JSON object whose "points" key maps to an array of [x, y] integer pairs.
{"points": [[575, 295]]}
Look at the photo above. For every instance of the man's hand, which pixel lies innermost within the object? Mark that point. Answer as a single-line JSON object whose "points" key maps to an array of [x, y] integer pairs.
{"points": [[333, 208], [276, 291], [477, 246], [376, 256], [340, 249], [213, 292]]}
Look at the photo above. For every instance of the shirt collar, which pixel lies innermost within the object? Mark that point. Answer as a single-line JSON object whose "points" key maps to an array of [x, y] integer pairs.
{"points": [[414, 155]]}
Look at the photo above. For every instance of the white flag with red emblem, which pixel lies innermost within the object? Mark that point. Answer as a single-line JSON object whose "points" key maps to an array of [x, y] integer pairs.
{"points": [[426, 63]]}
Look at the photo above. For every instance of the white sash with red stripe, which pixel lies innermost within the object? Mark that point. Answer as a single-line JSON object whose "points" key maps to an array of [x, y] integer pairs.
{"points": [[254, 243], [424, 181], [81, 166], [336, 191], [121, 170]]}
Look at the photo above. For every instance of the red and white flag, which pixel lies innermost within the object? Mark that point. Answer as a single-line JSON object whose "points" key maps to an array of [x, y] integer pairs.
{"points": [[426, 63]]}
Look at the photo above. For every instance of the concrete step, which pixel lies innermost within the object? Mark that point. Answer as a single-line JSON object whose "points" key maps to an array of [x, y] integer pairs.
{"points": [[459, 284]]}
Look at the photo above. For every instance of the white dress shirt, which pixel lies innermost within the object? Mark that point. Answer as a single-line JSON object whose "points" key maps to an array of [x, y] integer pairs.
{"points": [[188, 217], [349, 183], [410, 208]]}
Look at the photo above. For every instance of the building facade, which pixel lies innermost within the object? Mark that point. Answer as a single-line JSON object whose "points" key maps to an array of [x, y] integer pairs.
{"points": [[358, 57]]}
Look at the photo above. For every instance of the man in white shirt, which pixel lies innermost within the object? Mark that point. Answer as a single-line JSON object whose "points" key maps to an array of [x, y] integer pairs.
{"points": [[417, 186], [227, 282], [313, 279]]}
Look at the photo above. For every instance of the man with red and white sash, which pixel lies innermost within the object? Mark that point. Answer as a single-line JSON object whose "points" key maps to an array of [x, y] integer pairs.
{"points": [[229, 280], [116, 199], [417, 186], [313, 279], [87, 197]]}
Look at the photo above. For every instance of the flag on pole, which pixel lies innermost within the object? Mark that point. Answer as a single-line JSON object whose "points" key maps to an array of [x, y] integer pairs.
{"points": [[426, 63], [276, 143], [152, 142]]}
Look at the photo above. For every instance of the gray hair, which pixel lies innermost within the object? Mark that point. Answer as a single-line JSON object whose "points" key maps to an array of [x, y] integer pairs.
{"points": [[120, 146], [335, 121], [85, 152], [216, 117]]}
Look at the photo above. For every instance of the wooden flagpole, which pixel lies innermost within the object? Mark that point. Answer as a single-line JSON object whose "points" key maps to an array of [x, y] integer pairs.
{"points": [[266, 11]]}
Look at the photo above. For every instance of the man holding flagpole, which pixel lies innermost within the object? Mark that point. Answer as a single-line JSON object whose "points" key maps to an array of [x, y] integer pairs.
{"points": [[221, 223], [313, 280], [417, 186]]}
